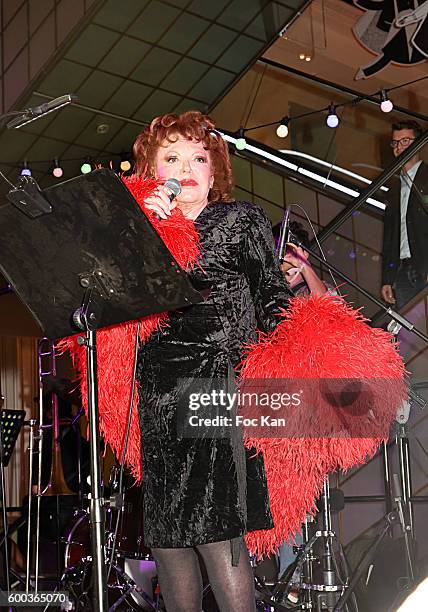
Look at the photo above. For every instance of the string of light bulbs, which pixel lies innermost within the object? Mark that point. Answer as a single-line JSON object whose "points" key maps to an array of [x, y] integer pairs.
{"points": [[332, 119], [87, 164]]}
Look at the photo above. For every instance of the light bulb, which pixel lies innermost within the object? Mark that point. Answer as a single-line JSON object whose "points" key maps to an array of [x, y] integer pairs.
{"points": [[57, 171], [386, 105], [26, 171], [302, 56], [332, 119], [282, 129], [125, 165], [85, 168], [308, 58], [240, 142]]}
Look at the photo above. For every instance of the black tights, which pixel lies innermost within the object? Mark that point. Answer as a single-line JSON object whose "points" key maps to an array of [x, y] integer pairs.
{"points": [[181, 582]]}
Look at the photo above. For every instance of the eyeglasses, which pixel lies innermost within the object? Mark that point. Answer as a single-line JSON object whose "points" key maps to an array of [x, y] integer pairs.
{"points": [[403, 141]]}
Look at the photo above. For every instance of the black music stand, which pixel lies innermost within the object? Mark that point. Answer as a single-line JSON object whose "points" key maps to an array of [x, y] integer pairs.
{"points": [[10, 425], [11, 422], [87, 259]]}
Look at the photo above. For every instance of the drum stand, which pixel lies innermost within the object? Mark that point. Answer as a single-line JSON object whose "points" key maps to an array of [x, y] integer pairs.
{"points": [[315, 596]]}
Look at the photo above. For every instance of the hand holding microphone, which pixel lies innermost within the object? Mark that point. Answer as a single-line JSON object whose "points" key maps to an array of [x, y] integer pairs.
{"points": [[162, 200]]}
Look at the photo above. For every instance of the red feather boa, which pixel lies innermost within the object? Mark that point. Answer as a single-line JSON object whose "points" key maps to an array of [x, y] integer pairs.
{"points": [[318, 338]]}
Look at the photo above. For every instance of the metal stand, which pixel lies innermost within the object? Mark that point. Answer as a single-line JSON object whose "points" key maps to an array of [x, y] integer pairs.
{"points": [[328, 595], [405, 475], [10, 425], [32, 424], [4, 514], [87, 318], [324, 594]]}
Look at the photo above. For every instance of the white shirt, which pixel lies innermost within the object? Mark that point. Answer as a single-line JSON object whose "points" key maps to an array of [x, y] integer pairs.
{"points": [[406, 179]]}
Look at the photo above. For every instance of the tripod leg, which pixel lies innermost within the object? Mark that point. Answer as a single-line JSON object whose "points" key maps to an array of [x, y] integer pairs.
{"points": [[406, 531]]}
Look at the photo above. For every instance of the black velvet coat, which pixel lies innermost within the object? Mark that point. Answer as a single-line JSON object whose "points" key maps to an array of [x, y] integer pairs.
{"points": [[190, 485]]}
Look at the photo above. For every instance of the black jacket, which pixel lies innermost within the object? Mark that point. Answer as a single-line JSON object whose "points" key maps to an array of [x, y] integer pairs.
{"points": [[417, 226]]}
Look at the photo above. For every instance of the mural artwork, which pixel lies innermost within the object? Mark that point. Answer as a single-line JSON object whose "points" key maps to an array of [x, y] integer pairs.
{"points": [[396, 30]]}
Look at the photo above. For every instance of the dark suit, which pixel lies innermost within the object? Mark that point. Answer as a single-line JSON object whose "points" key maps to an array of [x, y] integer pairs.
{"points": [[417, 227]]}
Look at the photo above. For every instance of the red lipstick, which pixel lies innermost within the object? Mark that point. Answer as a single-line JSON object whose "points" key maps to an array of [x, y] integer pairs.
{"points": [[188, 183]]}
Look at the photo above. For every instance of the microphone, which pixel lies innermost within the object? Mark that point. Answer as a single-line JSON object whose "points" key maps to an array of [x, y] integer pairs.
{"points": [[174, 187], [33, 113], [284, 234]]}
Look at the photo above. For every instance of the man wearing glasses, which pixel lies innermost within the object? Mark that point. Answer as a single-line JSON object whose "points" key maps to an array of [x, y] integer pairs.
{"points": [[405, 233]]}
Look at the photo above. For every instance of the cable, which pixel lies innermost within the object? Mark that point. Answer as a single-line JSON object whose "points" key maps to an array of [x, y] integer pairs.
{"points": [[355, 100], [319, 245], [7, 180]]}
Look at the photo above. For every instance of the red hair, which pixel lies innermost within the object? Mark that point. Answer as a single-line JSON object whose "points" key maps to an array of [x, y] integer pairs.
{"points": [[191, 125]]}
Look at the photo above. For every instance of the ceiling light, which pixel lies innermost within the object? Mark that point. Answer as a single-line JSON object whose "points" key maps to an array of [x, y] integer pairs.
{"points": [[103, 128], [332, 119], [386, 105], [57, 171], [26, 171], [240, 142], [308, 58], [302, 56], [282, 129]]}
